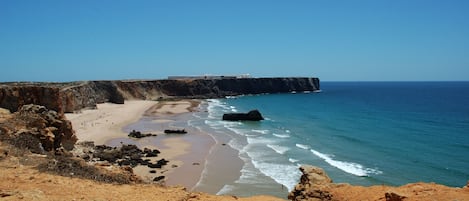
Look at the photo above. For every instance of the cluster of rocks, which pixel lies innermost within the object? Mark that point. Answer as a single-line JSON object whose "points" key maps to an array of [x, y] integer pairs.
{"points": [[125, 156], [138, 134]]}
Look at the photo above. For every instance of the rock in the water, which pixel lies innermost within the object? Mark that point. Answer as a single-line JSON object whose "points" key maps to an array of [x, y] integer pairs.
{"points": [[253, 115]]}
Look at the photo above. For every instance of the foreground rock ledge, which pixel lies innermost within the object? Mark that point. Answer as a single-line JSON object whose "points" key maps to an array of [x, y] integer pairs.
{"points": [[315, 184]]}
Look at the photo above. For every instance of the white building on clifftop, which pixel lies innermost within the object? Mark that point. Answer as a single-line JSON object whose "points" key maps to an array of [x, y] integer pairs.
{"points": [[209, 77]]}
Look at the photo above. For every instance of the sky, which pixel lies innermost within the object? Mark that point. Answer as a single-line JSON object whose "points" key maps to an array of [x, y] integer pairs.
{"points": [[353, 40]]}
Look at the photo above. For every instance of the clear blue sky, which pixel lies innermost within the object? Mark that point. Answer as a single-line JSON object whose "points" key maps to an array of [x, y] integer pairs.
{"points": [[362, 40]]}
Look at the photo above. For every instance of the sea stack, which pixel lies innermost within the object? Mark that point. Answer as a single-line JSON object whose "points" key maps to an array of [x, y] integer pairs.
{"points": [[253, 115]]}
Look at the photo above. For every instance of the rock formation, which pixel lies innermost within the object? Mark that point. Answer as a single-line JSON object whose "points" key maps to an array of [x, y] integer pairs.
{"points": [[312, 181], [316, 185], [253, 115], [70, 97], [39, 129]]}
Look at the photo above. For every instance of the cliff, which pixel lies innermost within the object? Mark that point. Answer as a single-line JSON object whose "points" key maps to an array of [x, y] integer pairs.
{"points": [[69, 97]]}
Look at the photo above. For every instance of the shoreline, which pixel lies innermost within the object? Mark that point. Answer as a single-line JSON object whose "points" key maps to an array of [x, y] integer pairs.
{"points": [[189, 155]]}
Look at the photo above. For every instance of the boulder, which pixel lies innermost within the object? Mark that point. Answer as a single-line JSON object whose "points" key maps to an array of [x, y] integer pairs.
{"points": [[253, 115], [159, 178]]}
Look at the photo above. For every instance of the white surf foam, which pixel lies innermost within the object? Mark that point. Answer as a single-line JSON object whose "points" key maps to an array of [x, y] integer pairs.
{"points": [[226, 189], [260, 131], [349, 167], [287, 175], [303, 146], [293, 160], [281, 135], [279, 149]]}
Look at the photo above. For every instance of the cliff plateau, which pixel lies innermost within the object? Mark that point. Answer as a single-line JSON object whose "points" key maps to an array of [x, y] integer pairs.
{"points": [[73, 96]]}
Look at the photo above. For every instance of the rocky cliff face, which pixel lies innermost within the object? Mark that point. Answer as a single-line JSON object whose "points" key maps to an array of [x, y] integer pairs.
{"points": [[69, 97]]}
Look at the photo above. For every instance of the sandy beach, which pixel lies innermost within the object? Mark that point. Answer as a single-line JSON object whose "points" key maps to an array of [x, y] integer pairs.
{"points": [[107, 121], [187, 154]]}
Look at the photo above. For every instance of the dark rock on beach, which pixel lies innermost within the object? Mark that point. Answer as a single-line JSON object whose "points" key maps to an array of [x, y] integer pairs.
{"points": [[151, 153], [159, 178], [138, 134], [176, 131], [127, 155], [253, 115]]}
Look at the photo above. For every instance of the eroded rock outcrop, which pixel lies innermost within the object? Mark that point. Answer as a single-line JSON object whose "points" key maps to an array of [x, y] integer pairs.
{"points": [[316, 185], [38, 129], [310, 187]]}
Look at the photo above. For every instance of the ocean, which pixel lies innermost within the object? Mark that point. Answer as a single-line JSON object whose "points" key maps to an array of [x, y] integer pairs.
{"points": [[363, 133]]}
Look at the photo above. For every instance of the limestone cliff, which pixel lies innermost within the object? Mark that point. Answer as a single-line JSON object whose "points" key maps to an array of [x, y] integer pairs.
{"points": [[69, 97]]}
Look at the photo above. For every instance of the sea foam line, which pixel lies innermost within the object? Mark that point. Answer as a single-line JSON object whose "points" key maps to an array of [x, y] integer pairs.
{"points": [[349, 167], [303, 146], [260, 131], [281, 135], [279, 149]]}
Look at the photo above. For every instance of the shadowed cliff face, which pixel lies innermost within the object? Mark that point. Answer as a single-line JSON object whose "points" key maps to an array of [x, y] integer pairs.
{"points": [[69, 97], [12, 97]]}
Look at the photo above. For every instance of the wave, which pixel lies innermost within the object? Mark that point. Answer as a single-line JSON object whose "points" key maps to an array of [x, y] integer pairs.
{"points": [[287, 175], [233, 109], [303, 146], [293, 160], [260, 131], [279, 149], [348, 167], [281, 135]]}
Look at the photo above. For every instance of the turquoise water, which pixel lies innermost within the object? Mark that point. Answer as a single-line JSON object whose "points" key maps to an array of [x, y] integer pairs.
{"points": [[362, 133]]}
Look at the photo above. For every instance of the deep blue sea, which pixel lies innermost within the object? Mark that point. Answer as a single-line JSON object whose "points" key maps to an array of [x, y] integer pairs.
{"points": [[362, 133]]}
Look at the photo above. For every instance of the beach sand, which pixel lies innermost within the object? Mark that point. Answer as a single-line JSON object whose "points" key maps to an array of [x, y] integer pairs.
{"points": [[107, 121], [187, 154]]}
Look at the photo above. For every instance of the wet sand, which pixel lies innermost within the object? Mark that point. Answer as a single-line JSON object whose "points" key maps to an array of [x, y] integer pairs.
{"points": [[190, 155]]}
